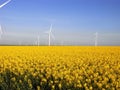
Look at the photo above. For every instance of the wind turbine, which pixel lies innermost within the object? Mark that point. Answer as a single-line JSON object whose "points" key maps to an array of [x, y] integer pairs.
{"points": [[19, 43], [38, 39], [62, 43], [96, 38], [2, 5], [50, 35], [1, 31], [35, 43]]}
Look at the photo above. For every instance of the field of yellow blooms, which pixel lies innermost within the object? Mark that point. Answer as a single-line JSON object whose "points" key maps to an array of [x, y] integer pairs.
{"points": [[59, 68]]}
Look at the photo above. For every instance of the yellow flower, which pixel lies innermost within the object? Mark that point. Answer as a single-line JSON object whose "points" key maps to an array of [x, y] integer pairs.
{"points": [[13, 79], [59, 85], [67, 66], [38, 87]]}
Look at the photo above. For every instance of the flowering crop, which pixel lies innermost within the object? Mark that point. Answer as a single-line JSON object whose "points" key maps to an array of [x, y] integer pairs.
{"points": [[59, 68]]}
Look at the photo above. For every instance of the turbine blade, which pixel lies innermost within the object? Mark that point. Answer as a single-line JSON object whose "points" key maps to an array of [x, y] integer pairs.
{"points": [[51, 28], [46, 32], [5, 3], [1, 32]]}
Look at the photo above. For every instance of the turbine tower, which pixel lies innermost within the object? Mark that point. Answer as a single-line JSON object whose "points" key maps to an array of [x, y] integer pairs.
{"points": [[96, 38], [38, 39], [1, 31], [62, 43], [50, 35], [2, 5]]}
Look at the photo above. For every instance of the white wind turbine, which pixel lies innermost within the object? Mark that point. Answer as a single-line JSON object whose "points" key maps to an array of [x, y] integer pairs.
{"points": [[62, 43], [1, 31], [2, 5], [50, 35], [96, 38], [38, 40]]}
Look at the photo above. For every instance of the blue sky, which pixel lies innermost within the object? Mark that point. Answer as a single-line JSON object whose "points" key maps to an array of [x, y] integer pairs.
{"points": [[74, 21]]}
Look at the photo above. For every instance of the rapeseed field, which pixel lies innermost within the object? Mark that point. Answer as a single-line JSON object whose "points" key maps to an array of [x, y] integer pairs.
{"points": [[59, 68]]}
